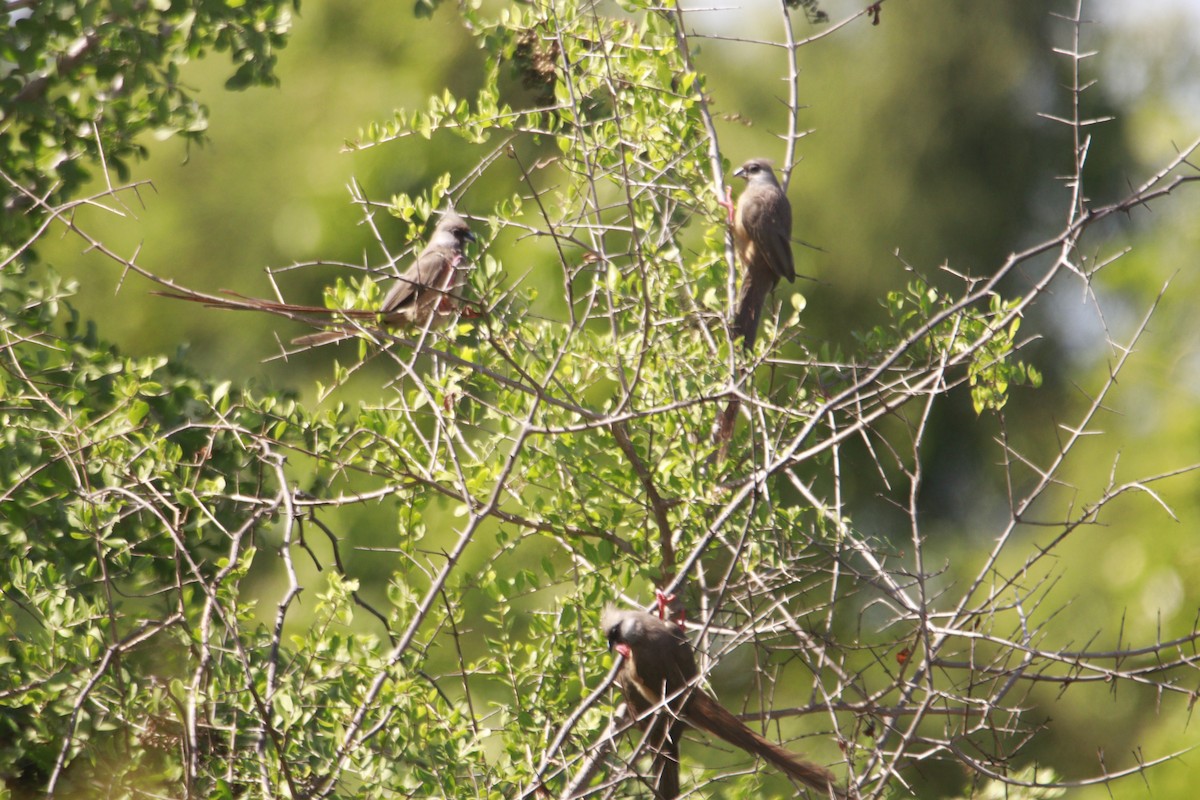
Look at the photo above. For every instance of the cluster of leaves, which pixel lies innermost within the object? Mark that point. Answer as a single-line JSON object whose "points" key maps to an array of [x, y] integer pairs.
{"points": [[137, 501], [811, 9], [82, 80], [941, 329]]}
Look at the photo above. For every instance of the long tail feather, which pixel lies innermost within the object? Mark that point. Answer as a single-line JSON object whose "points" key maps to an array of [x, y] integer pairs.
{"points": [[324, 337], [241, 302], [749, 312], [708, 715]]}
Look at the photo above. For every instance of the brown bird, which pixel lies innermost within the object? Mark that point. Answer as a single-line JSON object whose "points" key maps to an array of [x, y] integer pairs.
{"points": [[659, 664], [425, 295], [762, 233]]}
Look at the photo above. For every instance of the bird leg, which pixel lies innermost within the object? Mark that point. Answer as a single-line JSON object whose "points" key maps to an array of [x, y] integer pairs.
{"points": [[726, 202], [664, 607], [664, 600]]}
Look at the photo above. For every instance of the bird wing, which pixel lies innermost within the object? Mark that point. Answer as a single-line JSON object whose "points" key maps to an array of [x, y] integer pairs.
{"points": [[665, 662], [426, 272], [769, 226]]}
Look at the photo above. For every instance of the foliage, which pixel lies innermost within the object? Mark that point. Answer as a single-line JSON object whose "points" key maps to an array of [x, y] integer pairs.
{"points": [[1031, 783], [119, 531], [960, 332], [82, 81], [218, 591]]}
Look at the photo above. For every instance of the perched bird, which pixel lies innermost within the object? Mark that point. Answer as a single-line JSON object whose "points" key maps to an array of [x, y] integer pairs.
{"points": [[762, 234], [425, 295], [659, 665]]}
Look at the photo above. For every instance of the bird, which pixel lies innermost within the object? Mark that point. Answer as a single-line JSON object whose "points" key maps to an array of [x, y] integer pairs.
{"points": [[658, 664], [762, 236], [424, 296]]}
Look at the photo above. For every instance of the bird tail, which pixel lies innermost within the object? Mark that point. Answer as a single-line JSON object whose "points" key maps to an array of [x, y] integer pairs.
{"points": [[324, 337], [667, 763], [749, 312], [240, 302], [708, 715]]}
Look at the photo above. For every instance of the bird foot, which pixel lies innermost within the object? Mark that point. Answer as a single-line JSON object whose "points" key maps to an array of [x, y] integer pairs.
{"points": [[665, 602], [726, 202]]}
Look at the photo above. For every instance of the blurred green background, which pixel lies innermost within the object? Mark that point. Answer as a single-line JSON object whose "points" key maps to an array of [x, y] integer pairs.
{"points": [[926, 149]]}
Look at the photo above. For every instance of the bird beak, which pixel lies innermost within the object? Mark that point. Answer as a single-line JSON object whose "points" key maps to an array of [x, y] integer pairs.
{"points": [[614, 643], [739, 173], [471, 237]]}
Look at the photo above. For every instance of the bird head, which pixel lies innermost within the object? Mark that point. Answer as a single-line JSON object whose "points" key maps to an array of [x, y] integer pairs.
{"points": [[622, 629], [757, 170], [452, 230]]}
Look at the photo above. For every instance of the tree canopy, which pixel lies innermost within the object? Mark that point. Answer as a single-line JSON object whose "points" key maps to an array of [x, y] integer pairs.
{"points": [[923, 532]]}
